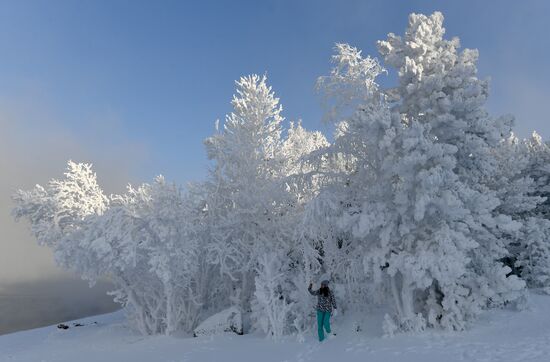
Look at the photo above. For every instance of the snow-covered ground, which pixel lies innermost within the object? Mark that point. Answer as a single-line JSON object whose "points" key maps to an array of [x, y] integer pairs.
{"points": [[498, 336]]}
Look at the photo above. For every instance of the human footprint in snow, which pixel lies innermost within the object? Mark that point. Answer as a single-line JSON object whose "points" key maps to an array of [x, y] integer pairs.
{"points": [[325, 303]]}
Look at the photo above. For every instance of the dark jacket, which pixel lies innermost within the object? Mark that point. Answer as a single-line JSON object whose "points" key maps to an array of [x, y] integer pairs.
{"points": [[324, 304]]}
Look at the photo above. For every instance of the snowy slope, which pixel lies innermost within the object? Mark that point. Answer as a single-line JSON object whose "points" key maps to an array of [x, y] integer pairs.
{"points": [[498, 336]]}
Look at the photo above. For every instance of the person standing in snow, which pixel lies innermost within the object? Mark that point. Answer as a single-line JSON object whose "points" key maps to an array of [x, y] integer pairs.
{"points": [[325, 303]]}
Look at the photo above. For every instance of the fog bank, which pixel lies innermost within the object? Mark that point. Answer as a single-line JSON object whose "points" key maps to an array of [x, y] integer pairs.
{"points": [[34, 149]]}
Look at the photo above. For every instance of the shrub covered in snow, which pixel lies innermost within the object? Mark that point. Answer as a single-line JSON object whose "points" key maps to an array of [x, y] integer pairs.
{"points": [[228, 320]]}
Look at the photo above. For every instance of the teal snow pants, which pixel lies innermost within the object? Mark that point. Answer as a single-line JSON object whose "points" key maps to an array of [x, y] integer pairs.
{"points": [[323, 322]]}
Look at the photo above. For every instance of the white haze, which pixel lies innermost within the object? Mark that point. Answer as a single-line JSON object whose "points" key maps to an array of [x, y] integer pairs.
{"points": [[33, 149]]}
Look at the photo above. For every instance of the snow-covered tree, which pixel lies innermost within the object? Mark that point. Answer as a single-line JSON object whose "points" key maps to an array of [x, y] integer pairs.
{"points": [[418, 198], [515, 189], [152, 232], [271, 307], [61, 207], [257, 192], [303, 156], [352, 75], [403, 222], [297, 146], [539, 171], [246, 199], [144, 241], [438, 85], [532, 256], [528, 162]]}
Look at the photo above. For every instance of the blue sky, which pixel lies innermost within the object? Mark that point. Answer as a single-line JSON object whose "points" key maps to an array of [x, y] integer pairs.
{"points": [[155, 75]]}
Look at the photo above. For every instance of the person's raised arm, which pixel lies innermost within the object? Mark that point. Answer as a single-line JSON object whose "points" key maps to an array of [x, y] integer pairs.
{"points": [[312, 292]]}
